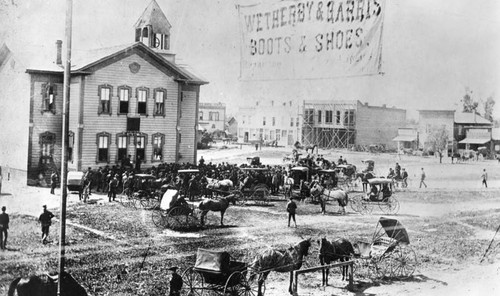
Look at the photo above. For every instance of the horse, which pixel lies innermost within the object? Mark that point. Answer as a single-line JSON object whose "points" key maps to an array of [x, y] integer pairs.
{"points": [[339, 249], [220, 205], [46, 285], [219, 185], [322, 194], [279, 261]]}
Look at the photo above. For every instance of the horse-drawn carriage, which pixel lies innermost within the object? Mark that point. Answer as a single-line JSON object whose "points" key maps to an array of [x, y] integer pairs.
{"points": [[253, 187], [174, 212], [301, 182], [215, 272], [142, 190], [389, 253], [380, 195], [189, 183], [347, 179]]}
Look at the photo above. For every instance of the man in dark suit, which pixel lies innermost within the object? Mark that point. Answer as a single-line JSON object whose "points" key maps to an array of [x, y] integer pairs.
{"points": [[175, 282]]}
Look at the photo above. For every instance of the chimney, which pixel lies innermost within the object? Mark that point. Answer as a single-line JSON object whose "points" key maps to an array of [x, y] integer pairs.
{"points": [[59, 50]]}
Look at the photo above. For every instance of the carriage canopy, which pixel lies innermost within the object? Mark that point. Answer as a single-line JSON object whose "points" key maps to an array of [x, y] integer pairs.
{"points": [[169, 198], [190, 171], [255, 169], [144, 176], [394, 229], [328, 171], [217, 261], [300, 168], [375, 181]]}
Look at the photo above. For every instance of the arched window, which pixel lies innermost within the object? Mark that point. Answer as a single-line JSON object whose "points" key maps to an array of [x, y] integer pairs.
{"points": [[71, 144], [47, 141], [124, 94], [104, 92], [140, 146], [103, 141], [160, 97], [157, 140], [122, 145], [142, 99], [49, 92]]}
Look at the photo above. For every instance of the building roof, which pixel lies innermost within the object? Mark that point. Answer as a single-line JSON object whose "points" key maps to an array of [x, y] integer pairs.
{"points": [[41, 59], [153, 16], [470, 118]]}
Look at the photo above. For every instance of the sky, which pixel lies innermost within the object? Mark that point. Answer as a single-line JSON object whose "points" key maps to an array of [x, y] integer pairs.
{"points": [[432, 50]]}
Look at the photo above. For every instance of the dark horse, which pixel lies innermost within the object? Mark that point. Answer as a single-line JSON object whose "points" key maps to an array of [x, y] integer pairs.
{"points": [[279, 261], [46, 285], [220, 205], [337, 250]]}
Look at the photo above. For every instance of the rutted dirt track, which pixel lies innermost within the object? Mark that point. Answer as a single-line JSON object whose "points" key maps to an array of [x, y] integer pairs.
{"points": [[450, 228]]}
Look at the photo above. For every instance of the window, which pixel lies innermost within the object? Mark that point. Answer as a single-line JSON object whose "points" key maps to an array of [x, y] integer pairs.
{"points": [[140, 145], [49, 96], [319, 116], [328, 116], [121, 143], [124, 94], [264, 120], [103, 140], [309, 116], [274, 121], [272, 103], [71, 144], [337, 118], [105, 92], [271, 135], [283, 133], [243, 119], [160, 102], [200, 115], [349, 117], [47, 142], [157, 140], [278, 135], [297, 122], [291, 121], [142, 98], [213, 116]]}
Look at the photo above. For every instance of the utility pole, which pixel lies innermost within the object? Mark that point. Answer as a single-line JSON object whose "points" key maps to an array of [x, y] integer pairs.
{"points": [[64, 160]]}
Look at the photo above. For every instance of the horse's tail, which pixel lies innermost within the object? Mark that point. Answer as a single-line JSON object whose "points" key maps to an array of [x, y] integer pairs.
{"points": [[13, 286]]}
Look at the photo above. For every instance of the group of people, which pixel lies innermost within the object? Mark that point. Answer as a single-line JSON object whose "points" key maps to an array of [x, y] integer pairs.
{"points": [[45, 220], [398, 174]]}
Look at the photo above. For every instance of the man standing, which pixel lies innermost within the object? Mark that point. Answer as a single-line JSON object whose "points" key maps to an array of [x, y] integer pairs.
{"points": [[484, 177], [291, 208], [404, 176], [4, 225], [422, 179], [53, 182], [46, 220], [175, 282], [113, 185]]}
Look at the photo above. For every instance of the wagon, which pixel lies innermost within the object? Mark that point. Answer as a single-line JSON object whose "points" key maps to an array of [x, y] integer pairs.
{"points": [[143, 194], [389, 253], [216, 273], [174, 215], [384, 198], [258, 192], [76, 183], [300, 174], [347, 177], [329, 177]]}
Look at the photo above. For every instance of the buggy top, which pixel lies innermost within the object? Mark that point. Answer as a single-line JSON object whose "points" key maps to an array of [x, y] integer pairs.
{"points": [[300, 168], [213, 261], [379, 181], [327, 171], [169, 199], [190, 171], [391, 228], [255, 169]]}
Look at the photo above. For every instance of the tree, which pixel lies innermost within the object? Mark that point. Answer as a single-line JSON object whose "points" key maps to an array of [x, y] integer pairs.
{"points": [[488, 108], [439, 141], [469, 105]]}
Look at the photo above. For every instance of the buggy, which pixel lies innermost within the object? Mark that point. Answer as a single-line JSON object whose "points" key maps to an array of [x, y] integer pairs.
{"points": [[174, 214], [347, 177], [215, 272], [329, 178], [300, 174], [381, 195], [256, 190], [76, 183], [389, 254], [144, 192]]}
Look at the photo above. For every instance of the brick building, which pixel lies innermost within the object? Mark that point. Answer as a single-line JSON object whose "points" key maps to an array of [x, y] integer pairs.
{"points": [[126, 100]]}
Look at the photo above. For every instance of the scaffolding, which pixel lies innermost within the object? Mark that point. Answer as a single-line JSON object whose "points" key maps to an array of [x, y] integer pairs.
{"points": [[333, 127]]}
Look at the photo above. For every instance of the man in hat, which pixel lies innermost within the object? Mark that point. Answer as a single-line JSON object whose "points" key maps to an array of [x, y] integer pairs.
{"points": [[175, 282], [4, 225], [113, 186], [45, 219], [53, 182], [291, 208]]}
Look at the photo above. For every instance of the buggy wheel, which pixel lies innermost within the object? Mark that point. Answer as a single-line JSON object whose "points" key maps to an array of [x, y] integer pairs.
{"points": [[252, 286], [358, 204], [404, 261], [159, 218], [149, 203], [384, 266], [240, 198], [389, 207], [177, 218], [261, 196], [193, 282], [234, 285]]}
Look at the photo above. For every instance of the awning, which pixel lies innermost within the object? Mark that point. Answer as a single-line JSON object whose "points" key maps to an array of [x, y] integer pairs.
{"points": [[475, 141], [405, 138]]}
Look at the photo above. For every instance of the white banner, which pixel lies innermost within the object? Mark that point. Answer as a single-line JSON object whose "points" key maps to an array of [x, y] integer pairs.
{"points": [[286, 39]]}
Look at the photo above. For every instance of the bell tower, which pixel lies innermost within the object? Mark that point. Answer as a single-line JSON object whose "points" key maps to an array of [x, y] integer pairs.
{"points": [[153, 29]]}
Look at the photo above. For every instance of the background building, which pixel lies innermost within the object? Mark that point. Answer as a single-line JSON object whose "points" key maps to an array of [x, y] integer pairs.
{"points": [[212, 116], [126, 100]]}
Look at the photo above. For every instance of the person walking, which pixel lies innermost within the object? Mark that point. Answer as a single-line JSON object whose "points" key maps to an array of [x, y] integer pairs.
{"points": [[53, 182], [45, 220], [175, 282], [484, 177], [4, 226], [291, 208], [422, 179], [404, 176]]}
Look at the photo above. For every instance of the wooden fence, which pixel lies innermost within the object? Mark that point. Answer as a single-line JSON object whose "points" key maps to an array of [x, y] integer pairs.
{"points": [[296, 273]]}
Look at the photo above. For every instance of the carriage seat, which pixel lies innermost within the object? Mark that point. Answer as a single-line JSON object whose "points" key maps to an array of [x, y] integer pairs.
{"points": [[213, 261], [364, 249]]}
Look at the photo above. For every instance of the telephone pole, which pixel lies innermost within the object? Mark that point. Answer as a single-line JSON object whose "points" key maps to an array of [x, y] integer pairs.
{"points": [[64, 161]]}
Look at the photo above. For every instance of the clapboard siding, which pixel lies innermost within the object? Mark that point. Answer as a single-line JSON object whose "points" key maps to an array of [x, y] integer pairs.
{"points": [[46, 121], [187, 125], [148, 76]]}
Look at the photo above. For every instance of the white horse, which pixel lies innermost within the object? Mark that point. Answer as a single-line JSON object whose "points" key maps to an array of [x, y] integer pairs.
{"points": [[324, 194]]}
